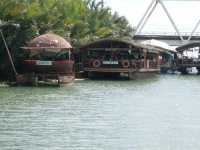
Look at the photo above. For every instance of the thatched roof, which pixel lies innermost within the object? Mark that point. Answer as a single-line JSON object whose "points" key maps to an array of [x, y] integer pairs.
{"points": [[48, 41]]}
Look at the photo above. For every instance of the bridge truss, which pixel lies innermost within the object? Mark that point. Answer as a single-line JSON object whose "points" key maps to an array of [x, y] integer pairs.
{"points": [[150, 11]]}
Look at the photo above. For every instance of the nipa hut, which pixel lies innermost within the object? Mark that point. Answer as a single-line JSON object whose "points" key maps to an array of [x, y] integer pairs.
{"points": [[49, 60]]}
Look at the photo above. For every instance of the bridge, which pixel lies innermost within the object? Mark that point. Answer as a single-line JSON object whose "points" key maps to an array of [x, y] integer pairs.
{"points": [[174, 39], [170, 38]]}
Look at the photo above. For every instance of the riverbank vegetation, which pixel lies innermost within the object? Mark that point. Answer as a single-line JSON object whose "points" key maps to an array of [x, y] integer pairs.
{"points": [[79, 21]]}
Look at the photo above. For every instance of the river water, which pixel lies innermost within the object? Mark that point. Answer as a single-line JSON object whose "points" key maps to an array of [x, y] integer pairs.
{"points": [[157, 113]]}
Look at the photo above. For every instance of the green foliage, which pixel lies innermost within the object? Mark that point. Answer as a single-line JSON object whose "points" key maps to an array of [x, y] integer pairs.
{"points": [[79, 21]]}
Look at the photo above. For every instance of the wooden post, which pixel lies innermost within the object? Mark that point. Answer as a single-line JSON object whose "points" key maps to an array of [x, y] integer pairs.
{"points": [[69, 53], [158, 60], [35, 81], [145, 58]]}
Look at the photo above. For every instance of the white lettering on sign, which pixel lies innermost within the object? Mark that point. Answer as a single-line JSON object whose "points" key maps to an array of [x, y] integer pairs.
{"points": [[44, 63], [110, 62]]}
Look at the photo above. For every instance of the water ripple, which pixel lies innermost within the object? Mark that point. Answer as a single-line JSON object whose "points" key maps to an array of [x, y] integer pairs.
{"points": [[156, 113]]}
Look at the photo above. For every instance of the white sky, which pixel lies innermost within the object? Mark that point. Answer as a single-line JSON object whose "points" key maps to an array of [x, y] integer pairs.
{"points": [[185, 14]]}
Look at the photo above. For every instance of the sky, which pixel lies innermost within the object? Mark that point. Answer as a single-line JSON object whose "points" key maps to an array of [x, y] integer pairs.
{"points": [[185, 13]]}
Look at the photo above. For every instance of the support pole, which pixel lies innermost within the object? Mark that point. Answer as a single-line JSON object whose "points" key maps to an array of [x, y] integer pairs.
{"points": [[171, 20], [145, 59], [8, 52], [69, 53], [158, 60]]}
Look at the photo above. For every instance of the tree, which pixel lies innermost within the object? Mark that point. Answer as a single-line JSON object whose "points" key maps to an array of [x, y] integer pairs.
{"points": [[79, 21]]}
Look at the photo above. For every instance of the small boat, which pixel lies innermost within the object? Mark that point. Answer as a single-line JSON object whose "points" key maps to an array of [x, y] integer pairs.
{"points": [[49, 61]]}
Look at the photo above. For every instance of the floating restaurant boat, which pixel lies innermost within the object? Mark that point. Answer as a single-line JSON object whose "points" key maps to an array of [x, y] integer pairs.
{"points": [[188, 57], [168, 55], [108, 57], [49, 61]]}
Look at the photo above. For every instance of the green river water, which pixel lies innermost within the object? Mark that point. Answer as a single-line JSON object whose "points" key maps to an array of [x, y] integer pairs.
{"points": [[157, 113]]}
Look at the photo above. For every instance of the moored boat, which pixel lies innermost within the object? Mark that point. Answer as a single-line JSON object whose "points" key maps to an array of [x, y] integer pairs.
{"points": [[115, 57], [49, 61]]}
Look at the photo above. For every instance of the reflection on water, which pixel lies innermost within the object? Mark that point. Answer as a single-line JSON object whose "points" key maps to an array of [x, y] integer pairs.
{"points": [[158, 113]]}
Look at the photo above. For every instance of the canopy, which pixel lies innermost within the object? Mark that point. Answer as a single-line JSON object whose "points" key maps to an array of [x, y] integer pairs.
{"points": [[159, 44]]}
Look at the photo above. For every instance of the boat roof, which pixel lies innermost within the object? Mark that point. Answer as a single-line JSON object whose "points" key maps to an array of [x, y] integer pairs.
{"points": [[48, 41], [159, 44], [187, 46], [131, 43]]}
